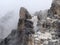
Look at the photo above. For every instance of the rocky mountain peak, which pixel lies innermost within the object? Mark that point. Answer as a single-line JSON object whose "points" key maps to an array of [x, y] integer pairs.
{"points": [[55, 8], [24, 14]]}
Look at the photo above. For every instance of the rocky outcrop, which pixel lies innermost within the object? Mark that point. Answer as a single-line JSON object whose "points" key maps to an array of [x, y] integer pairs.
{"points": [[49, 24], [24, 15], [47, 29], [55, 8], [22, 35]]}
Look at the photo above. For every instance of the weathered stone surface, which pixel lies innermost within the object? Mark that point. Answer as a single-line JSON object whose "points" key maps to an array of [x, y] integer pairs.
{"points": [[23, 20], [17, 38], [49, 22], [47, 32], [24, 14], [20, 36], [55, 11], [55, 8]]}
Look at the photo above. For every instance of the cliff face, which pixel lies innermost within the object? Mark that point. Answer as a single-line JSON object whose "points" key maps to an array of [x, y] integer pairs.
{"points": [[55, 8], [22, 35], [48, 31]]}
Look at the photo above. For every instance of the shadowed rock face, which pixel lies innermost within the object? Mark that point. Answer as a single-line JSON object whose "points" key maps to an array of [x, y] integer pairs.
{"points": [[17, 38], [50, 24], [24, 15], [55, 8], [20, 36], [55, 15]]}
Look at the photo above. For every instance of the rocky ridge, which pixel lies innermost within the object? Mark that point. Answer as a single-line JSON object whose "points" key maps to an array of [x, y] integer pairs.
{"points": [[22, 35], [48, 32]]}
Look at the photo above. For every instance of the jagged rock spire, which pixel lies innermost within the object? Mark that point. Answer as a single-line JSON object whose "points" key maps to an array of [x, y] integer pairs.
{"points": [[20, 36], [24, 14]]}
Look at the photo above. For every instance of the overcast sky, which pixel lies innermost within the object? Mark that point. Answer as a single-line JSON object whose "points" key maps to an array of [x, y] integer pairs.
{"points": [[31, 5], [7, 6]]}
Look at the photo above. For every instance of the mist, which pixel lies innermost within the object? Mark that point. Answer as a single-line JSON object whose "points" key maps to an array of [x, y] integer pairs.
{"points": [[9, 12], [31, 5]]}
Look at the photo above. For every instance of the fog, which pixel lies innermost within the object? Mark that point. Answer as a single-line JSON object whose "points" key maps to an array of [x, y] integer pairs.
{"points": [[31, 5], [9, 11]]}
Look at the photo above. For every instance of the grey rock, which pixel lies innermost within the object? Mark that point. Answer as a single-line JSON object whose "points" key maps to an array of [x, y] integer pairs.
{"points": [[24, 14], [20, 36]]}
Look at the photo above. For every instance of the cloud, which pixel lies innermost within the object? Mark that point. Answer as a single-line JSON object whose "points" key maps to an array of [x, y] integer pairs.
{"points": [[31, 5]]}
